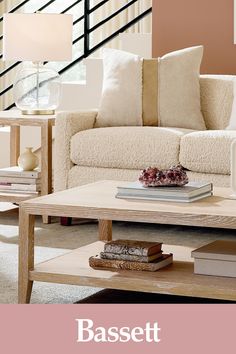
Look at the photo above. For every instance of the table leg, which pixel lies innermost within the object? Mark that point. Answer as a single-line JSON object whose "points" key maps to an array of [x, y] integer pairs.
{"points": [[26, 255], [46, 163], [105, 230], [14, 144]]}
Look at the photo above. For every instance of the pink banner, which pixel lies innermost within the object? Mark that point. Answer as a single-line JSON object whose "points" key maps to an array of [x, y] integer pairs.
{"points": [[62, 329]]}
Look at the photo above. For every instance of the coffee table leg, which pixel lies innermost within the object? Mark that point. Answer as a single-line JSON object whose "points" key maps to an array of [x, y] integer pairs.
{"points": [[26, 255], [105, 230]]}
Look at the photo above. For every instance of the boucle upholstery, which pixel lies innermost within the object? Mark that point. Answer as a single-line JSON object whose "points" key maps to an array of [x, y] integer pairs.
{"points": [[216, 101], [179, 89], [80, 175], [67, 124], [217, 180], [121, 99], [127, 147], [207, 151], [217, 94]]}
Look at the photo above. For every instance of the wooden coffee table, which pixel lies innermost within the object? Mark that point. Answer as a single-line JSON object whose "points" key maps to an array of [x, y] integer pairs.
{"points": [[98, 201]]}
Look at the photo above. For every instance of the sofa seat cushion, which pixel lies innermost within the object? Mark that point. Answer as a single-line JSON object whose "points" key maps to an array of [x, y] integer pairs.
{"points": [[207, 151], [127, 147]]}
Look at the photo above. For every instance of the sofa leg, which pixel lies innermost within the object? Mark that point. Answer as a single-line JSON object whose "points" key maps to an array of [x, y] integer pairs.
{"points": [[66, 221]]}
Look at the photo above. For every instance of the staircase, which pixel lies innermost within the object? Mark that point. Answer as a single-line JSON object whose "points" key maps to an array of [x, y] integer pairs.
{"points": [[82, 78]]}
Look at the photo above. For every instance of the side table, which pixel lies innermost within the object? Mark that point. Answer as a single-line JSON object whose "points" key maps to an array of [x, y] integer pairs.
{"points": [[15, 120]]}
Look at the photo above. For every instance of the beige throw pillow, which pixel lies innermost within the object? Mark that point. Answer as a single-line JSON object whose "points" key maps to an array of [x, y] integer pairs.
{"points": [[163, 91], [121, 101], [179, 89]]}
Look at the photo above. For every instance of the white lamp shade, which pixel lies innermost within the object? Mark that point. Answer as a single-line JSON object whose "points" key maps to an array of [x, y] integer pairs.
{"points": [[37, 37]]}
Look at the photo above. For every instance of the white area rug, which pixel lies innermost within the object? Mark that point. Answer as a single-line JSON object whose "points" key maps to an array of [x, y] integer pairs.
{"points": [[52, 240]]}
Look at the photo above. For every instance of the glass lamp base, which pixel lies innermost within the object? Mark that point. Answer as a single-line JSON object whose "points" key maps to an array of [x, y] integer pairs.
{"points": [[37, 89], [38, 112]]}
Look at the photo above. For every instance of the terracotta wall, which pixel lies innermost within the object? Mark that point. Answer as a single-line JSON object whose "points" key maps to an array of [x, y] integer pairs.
{"points": [[183, 23]]}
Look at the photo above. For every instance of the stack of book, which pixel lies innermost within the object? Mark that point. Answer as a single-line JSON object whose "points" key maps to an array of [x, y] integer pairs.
{"points": [[189, 193], [14, 180], [132, 255], [216, 258]]}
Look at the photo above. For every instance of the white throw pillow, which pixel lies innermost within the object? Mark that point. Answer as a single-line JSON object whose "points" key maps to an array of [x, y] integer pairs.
{"points": [[179, 89], [121, 101]]}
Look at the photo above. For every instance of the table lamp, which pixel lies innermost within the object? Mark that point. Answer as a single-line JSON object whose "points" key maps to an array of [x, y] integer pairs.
{"points": [[37, 38]]}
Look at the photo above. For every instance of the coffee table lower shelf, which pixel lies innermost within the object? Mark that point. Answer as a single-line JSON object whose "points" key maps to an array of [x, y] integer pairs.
{"points": [[176, 279]]}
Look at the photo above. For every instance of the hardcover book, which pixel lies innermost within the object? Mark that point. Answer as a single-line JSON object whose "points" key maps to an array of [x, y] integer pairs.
{"points": [[24, 180], [187, 193], [215, 267], [13, 191], [98, 262], [216, 258], [220, 249], [20, 187], [189, 190], [130, 257], [165, 198], [133, 247], [15, 171]]}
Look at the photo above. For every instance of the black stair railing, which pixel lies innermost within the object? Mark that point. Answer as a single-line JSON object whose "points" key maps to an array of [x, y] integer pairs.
{"points": [[86, 35]]}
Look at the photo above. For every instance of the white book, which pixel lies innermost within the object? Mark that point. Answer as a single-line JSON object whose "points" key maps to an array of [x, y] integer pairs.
{"points": [[190, 190], [15, 171], [164, 198], [224, 250], [24, 180], [12, 191], [216, 258], [215, 267], [20, 187]]}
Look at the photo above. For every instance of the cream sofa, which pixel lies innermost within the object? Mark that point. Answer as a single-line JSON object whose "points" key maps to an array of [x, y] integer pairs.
{"points": [[84, 154]]}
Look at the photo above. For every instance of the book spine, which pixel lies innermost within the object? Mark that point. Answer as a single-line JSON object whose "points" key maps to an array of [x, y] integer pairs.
{"points": [[20, 180], [95, 262], [124, 249], [215, 267], [17, 191], [107, 263], [19, 174], [166, 199], [131, 258], [20, 187], [26, 187]]}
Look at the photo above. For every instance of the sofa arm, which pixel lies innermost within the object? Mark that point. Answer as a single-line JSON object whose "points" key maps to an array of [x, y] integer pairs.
{"points": [[67, 125], [217, 95]]}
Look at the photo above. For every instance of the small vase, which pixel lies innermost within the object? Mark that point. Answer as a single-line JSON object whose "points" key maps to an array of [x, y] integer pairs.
{"points": [[28, 161]]}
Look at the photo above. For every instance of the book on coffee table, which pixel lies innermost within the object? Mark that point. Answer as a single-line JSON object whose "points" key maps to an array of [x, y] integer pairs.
{"points": [[130, 257], [133, 247], [163, 261], [189, 193], [216, 258]]}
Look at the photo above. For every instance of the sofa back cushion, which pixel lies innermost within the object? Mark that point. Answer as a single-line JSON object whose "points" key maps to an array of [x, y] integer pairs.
{"points": [[217, 94]]}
